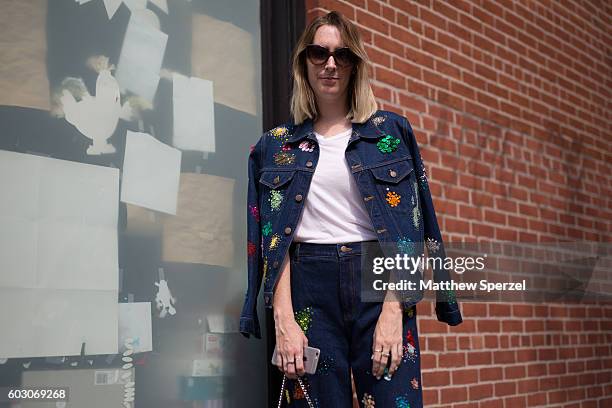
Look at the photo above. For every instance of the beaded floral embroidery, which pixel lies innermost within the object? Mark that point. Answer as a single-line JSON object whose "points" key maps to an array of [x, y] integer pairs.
{"points": [[388, 144], [280, 133], [326, 363], [410, 310], [307, 146], [378, 120], [251, 248], [414, 383], [304, 318], [368, 401], [284, 158], [251, 148], [298, 393], [401, 401], [266, 229], [416, 213], [423, 177], [276, 198], [410, 352], [393, 198], [274, 241], [406, 246], [254, 212], [449, 296], [432, 245], [265, 269], [285, 147], [287, 396]]}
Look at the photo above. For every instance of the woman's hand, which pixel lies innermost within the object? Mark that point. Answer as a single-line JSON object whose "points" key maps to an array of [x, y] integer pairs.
{"points": [[290, 343], [290, 339], [387, 339]]}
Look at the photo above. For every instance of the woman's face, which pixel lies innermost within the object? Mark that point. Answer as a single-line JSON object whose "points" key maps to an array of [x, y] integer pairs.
{"points": [[329, 80]]}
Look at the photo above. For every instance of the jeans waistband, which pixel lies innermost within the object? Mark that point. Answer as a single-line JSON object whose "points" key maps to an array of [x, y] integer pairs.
{"points": [[336, 250]]}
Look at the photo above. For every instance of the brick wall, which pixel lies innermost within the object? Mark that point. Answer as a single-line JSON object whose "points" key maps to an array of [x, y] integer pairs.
{"points": [[510, 103]]}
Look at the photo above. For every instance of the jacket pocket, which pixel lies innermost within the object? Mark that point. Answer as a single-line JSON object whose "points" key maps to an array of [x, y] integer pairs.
{"points": [[275, 179], [394, 181]]}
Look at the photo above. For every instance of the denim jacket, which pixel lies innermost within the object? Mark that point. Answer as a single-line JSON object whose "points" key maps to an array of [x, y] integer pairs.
{"points": [[384, 159]]}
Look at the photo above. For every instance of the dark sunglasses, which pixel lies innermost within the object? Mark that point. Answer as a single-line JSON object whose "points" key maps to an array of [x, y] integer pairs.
{"points": [[319, 55]]}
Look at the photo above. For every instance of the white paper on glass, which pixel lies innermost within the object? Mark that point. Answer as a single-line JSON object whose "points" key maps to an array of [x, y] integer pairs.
{"points": [[141, 57], [58, 257], [194, 113], [135, 323], [111, 7], [151, 173]]}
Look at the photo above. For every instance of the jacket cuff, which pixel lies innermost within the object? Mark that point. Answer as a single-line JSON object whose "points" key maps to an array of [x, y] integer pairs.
{"points": [[250, 326], [448, 313]]}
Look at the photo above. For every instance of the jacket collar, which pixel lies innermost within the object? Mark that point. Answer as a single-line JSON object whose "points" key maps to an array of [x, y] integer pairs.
{"points": [[366, 130]]}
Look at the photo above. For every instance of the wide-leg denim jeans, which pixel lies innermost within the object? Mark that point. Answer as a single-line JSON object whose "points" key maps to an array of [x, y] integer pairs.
{"points": [[325, 291]]}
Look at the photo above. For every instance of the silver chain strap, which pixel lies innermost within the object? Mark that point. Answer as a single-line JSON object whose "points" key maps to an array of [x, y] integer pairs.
{"points": [[280, 399]]}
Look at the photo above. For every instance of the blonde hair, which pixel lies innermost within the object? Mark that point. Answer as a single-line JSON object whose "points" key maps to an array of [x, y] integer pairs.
{"points": [[303, 100]]}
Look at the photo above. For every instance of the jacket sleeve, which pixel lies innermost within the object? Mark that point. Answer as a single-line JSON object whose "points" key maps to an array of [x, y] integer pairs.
{"points": [[249, 322], [447, 308]]}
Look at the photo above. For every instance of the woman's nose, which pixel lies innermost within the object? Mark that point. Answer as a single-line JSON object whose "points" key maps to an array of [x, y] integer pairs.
{"points": [[331, 62]]}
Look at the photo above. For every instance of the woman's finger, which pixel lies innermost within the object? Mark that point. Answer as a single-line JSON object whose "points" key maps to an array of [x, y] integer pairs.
{"points": [[395, 359], [290, 367], [379, 362]]}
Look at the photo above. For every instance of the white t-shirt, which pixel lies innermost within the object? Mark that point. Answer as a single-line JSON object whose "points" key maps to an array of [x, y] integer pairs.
{"points": [[334, 211]]}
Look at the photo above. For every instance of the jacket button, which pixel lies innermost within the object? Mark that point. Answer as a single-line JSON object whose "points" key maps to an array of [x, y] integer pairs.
{"points": [[298, 198], [288, 230], [275, 264], [276, 180], [392, 173], [309, 163]]}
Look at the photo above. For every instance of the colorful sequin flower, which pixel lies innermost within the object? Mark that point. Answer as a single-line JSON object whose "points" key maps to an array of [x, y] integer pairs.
{"points": [[388, 144], [432, 245], [298, 393], [326, 363], [279, 133], [307, 146], [274, 241], [378, 120], [284, 158], [251, 248], [285, 147], [449, 296], [393, 198], [276, 198], [410, 352], [304, 318], [254, 212], [266, 229], [414, 383], [251, 148], [410, 311], [401, 401], [406, 246], [368, 401]]}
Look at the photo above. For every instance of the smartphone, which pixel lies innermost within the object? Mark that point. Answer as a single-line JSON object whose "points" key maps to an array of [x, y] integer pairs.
{"points": [[311, 359]]}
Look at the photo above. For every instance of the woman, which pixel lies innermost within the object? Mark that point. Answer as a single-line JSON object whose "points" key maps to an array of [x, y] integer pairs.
{"points": [[344, 179]]}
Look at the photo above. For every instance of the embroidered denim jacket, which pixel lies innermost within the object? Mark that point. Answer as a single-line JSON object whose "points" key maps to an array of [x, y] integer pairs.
{"points": [[384, 159]]}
